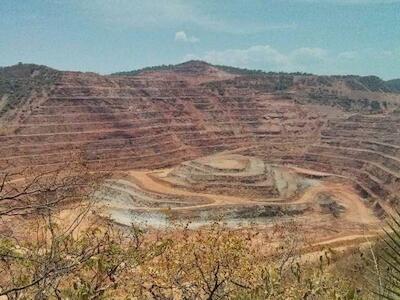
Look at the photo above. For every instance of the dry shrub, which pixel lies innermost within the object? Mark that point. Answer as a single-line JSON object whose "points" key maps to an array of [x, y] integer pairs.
{"points": [[209, 263], [222, 263], [59, 259], [108, 262]]}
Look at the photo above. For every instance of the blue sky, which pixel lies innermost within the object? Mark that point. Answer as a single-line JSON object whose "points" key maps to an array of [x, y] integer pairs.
{"points": [[318, 36]]}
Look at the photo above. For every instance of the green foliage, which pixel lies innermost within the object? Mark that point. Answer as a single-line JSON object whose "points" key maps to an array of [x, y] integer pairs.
{"points": [[19, 82], [374, 83], [244, 71], [232, 70], [138, 71], [371, 83], [394, 85]]}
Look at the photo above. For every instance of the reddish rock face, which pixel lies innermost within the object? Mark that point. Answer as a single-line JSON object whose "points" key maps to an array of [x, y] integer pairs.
{"points": [[161, 118]]}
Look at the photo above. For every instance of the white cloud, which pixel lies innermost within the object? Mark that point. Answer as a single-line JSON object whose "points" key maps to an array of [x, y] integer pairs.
{"points": [[307, 55], [267, 57], [305, 59], [348, 55], [181, 36], [369, 53]]}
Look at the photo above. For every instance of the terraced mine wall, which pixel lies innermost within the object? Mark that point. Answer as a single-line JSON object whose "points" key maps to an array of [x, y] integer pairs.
{"points": [[363, 148], [136, 122], [154, 120]]}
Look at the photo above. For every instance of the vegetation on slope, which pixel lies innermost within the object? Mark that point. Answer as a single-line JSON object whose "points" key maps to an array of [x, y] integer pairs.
{"points": [[394, 85], [264, 83], [138, 71], [47, 256], [344, 103], [244, 71], [389, 282], [228, 69], [108, 262], [19, 82], [371, 83]]}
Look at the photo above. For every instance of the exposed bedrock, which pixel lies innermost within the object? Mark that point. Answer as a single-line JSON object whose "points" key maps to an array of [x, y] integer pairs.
{"points": [[234, 174], [160, 119]]}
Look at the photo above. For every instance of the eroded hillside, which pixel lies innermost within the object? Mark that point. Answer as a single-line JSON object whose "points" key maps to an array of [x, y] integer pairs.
{"points": [[295, 136]]}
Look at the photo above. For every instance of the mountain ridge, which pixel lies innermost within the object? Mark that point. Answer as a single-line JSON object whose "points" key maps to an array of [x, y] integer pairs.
{"points": [[22, 83], [16, 68]]}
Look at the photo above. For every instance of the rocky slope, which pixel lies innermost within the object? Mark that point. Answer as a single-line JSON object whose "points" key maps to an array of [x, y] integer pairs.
{"points": [[160, 117]]}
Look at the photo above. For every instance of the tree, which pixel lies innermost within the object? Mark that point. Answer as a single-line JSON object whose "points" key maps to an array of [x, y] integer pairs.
{"points": [[62, 251], [389, 281]]}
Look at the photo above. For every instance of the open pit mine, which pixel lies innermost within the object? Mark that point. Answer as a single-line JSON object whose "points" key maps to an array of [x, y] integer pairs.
{"points": [[195, 142]]}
